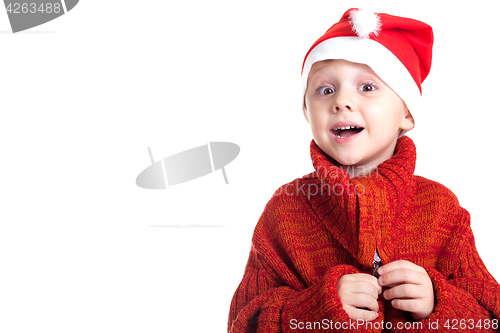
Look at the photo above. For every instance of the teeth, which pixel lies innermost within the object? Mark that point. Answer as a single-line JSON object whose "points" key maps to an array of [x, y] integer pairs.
{"points": [[344, 128]]}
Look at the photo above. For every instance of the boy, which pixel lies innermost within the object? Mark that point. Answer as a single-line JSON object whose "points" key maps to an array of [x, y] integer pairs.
{"points": [[362, 244]]}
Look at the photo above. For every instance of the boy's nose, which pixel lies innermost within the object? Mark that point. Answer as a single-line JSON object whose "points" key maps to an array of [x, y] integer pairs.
{"points": [[344, 100], [346, 107]]}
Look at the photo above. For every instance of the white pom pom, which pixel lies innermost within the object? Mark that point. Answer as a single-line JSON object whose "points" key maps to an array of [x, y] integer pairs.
{"points": [[365, 22]]}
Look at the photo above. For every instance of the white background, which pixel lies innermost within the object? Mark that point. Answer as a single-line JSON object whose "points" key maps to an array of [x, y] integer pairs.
{"points": [[83, 249]]}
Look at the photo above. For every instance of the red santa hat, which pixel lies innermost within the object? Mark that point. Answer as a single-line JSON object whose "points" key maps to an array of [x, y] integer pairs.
{"points": [[397, 49]]}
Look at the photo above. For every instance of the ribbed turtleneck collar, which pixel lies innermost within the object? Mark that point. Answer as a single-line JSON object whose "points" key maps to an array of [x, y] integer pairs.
{"points": [[366, 213]]}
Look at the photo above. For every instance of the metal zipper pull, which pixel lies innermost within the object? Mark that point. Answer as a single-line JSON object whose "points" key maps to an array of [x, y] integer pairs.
{"points": [[376, 263]]}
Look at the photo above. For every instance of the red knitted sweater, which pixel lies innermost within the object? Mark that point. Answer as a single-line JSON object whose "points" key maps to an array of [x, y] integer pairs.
{"points": [[324, 225]]}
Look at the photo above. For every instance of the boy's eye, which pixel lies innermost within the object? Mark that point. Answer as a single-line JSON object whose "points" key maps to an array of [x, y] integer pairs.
{"points": [[326, 91], [367, 87]]}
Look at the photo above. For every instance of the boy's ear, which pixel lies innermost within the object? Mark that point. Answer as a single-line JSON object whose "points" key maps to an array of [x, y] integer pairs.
{"points": [[408, 123], [304, 109]]}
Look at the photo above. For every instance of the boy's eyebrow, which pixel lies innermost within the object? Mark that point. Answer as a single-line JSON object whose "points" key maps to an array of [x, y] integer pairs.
{"points": [[314, 82], [313, 78]]}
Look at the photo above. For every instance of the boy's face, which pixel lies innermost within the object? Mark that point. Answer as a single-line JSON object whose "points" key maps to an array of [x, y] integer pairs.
{"points": [[340, 94]]}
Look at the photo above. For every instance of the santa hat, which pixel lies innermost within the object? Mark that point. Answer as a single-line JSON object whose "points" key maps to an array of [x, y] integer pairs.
{"points": [[397, 49]]}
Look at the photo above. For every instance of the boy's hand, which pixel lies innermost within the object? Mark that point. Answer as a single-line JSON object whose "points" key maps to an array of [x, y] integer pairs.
{"points": [[358, 294], [410, 288]]}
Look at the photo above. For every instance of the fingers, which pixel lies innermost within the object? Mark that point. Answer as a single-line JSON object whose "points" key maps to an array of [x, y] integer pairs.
{"points": [[418, 308], [362, 283], [358, 294], [401, 272], [410, 288], [360, 314], [403, 291], [366, 288], [358, 300]]}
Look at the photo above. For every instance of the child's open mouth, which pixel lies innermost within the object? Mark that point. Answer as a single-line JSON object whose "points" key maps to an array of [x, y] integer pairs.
{"points": [[346, 131]]}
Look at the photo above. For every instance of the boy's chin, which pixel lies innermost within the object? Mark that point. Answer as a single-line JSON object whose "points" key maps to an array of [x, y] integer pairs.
{"points": [[353, 166], [344, 162]]}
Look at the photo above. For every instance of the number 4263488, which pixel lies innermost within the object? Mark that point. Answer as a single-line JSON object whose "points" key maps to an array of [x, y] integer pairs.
{"points": [[471, 324], [27, 8]]}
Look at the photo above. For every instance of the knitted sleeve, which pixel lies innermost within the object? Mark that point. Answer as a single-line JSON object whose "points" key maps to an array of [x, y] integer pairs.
{"points": [[467, 297], [471, 292], [263, 304]]}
